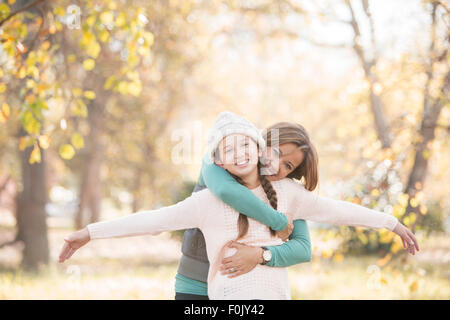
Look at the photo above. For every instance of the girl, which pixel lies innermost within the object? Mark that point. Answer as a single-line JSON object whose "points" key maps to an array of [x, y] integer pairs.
{"points": [[218, 220]]}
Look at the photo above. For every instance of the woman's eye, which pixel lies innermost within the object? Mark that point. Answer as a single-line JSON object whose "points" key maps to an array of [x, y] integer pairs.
{"points": [[288, 166]]}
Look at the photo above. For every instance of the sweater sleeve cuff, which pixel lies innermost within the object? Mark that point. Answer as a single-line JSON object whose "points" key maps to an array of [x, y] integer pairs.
{"points": [[95, 231], [391, 223]]}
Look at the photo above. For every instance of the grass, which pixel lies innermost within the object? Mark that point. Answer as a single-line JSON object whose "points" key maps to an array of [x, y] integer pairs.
{"points": [[144, 268]]}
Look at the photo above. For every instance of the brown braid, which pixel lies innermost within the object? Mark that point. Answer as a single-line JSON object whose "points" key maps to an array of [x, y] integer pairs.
{"points": [[271, 196]]}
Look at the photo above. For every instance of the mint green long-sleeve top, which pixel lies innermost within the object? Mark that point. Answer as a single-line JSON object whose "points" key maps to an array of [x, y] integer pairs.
{"points": [[239, 197]]}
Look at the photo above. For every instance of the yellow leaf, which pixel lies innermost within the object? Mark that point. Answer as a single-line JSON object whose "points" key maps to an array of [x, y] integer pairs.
{"points": [[135, 88], [89, 64], [25, 142], [106, 17], [93, 49], [403, 199], [91, 20], [89, 94], [44, 141], [45, 45], [59, 11], [80, 109], [66, 151], [77, 140], [31, 83], [11, 1], [77, 92], [3, 117], [327, 253], [120, 20], [52, 29], [103, 35], [414, 286], [6, 109], [35, 155], [423, 209], [375, 193], [397, 245], [338, 257], [71, 58], [22, 72], [2, 87], [381, 262]]}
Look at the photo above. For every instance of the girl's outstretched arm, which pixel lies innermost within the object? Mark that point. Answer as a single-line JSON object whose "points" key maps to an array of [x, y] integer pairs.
{"points": [[309, 206], [182, 215], [226, 188]]}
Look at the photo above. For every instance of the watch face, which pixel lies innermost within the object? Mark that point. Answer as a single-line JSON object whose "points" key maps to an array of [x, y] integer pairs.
{"points": [[267, 255]]}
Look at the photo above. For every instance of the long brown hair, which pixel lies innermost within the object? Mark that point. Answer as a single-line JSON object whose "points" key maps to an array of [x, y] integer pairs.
{"points": [[271, 196], [290, 132]]}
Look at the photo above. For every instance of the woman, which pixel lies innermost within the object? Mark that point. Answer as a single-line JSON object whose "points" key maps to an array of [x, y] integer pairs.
{"points": [[218, 222], [291, 154]]}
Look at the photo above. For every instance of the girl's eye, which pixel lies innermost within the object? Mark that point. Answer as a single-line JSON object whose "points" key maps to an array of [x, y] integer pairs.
{"points": [[288, 166]]}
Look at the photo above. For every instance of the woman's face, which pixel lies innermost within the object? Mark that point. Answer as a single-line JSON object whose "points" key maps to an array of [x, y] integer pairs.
{"points": [[282, 160], [238, 154]]}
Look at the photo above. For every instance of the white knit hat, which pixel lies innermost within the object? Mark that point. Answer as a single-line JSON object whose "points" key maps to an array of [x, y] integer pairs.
{"points": [[228, 123]]}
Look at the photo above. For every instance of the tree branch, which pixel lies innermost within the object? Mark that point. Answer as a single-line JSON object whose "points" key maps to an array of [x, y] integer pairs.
{"points": [[28, 6]]}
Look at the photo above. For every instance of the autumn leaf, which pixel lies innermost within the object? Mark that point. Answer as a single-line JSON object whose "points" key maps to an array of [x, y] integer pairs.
{"points": [[89, 64], [77, 140], [66, 151], [35, 155]]}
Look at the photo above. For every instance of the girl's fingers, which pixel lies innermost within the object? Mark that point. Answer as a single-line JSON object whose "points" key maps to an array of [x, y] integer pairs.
{"points": [[63, 252], [404, 243], [71, 252], [227, 260], [66, 251], [234, 244], [413, 237], [227, 265]]}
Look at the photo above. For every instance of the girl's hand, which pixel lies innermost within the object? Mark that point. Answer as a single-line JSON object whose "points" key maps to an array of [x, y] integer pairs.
{"points": [[284, 234], [73, 242], [244, 260], [408, 238]]}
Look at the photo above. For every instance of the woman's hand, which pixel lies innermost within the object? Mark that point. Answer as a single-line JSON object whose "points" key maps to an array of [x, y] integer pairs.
{"points": [[73, 242], [286, 232], [408, 238], [244, 260]]}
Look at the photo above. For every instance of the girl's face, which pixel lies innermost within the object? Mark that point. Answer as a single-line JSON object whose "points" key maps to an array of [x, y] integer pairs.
{"points": [[238, 154], [282, 160]]}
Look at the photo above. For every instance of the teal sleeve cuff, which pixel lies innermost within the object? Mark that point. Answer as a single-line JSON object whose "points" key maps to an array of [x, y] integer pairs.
{"points": [[294, 251]]}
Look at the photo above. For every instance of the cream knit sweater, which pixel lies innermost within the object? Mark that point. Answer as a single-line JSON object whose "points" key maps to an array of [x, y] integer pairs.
{"points": [[218, 222]]}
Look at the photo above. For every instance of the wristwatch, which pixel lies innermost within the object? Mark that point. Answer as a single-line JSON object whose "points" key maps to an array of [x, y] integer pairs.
{"points": [[267, 255]]}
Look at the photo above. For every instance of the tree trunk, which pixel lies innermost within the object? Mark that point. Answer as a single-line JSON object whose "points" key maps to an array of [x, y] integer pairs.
{"points": [[90, 189], [429, 122], [31, 215]]}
